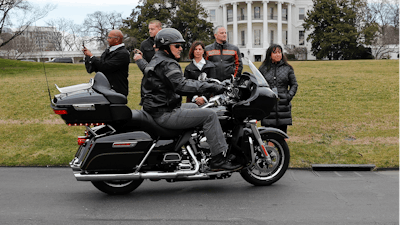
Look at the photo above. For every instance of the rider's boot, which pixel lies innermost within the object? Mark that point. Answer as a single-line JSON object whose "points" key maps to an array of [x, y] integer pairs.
{"points": [[219, 162]]}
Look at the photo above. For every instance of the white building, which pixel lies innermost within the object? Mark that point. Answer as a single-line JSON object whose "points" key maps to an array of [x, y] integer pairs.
{"points": [[45, 38], [254, 25]]}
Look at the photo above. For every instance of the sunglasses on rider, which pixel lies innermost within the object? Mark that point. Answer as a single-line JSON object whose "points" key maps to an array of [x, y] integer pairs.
{"points": [[177, 45]]}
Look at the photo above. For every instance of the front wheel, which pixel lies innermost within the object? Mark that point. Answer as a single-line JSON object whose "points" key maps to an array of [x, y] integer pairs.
{"points": [[263, 174], [117, 187]]}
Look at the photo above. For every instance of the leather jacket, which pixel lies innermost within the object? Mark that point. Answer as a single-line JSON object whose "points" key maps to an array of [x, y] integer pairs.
{"points": [[163, 84], [227, 59]]}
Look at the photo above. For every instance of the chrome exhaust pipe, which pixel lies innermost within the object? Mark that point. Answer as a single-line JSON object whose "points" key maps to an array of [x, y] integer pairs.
{"points": [[135, 176], [141, 175]]}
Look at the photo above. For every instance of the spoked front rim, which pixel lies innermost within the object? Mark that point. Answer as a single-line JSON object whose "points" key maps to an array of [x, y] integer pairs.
{"points": [[261, 170]]}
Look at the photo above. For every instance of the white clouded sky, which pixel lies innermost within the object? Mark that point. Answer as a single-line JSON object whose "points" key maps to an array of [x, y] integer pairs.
{"points": [[77, 10]]}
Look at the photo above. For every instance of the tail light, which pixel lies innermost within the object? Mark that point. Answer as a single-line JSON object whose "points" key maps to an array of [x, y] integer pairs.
{"points": [[82, 140], [85, 124], [60, 111]]}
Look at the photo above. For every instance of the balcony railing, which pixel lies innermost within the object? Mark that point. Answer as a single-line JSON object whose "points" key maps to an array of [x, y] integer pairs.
{"points": [[272, 17], [242, 17], [260, 17]]}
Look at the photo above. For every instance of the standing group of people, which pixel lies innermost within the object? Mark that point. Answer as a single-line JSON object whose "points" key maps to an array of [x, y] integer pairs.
{"points": [[164, 83]]}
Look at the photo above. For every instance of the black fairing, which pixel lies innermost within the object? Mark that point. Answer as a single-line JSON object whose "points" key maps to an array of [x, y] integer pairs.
{"points": [[258, 102]]}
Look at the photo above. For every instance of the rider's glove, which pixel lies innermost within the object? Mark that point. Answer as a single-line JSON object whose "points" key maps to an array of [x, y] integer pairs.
{"points": [[226, 83], [219, 89]]}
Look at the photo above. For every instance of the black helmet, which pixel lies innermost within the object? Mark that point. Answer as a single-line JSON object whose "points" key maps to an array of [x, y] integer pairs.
{"points": [[168, 36]]}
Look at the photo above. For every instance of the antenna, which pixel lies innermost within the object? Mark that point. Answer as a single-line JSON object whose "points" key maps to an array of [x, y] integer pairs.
{"points": [[44, 67], [48, 88]]}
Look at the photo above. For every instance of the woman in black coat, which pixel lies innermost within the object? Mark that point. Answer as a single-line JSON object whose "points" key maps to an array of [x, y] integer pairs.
{"points": [[197, 67], [280, 76]]}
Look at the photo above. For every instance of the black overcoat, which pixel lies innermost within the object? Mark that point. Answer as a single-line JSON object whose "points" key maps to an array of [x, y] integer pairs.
{"points": [[114, 65], [282, 77]]}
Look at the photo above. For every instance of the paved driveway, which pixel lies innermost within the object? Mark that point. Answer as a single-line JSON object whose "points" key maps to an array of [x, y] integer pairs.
{"points": [[53, 196]]}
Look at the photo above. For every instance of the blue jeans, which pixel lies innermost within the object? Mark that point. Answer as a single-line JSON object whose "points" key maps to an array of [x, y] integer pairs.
{"points": [[189, 116]]}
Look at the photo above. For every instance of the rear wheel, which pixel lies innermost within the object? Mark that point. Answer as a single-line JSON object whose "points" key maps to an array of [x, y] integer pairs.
{"points": [[263, 174], [117, 187]]}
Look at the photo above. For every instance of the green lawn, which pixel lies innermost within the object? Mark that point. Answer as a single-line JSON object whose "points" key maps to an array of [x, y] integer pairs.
{"points": [[344, 112]]}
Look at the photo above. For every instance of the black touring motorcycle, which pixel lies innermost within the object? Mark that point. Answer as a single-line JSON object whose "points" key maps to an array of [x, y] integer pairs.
{"points": [[122, 147]]}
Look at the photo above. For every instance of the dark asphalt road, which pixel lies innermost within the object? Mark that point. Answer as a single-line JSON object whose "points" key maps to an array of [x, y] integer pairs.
{"points": [[53, 196]]}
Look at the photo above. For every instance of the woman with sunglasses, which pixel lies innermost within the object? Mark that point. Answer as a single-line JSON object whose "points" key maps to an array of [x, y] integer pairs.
{"points": [[162, 86], [199, 66]]}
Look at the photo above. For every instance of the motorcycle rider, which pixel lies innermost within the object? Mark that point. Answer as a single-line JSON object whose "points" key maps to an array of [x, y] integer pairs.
{"points": [[162, 86]]}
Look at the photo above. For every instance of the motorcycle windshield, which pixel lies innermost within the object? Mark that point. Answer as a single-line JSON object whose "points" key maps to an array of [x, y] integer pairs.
{"points": [[257, 74]]}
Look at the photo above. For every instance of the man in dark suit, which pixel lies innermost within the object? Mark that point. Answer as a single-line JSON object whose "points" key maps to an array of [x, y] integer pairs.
{"points": [[143, 56], [147, 46], [113, 63]]}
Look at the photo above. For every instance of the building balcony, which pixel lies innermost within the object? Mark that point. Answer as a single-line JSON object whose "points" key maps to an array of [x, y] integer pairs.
{"points": [[270, 18]]}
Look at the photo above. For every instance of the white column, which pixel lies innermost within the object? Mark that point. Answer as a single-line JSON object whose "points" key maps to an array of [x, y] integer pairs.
{"points": [[249, 26], [265, 25], [279, 24], [224, 16], [289, 24], [235, 25]]}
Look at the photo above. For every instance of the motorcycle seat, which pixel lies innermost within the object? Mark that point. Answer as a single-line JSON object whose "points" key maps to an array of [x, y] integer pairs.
{"points": [[102, 85], [145, 122]]}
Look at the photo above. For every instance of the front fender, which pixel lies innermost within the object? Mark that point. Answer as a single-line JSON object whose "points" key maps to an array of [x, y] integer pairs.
{"points": [[273, 132]]}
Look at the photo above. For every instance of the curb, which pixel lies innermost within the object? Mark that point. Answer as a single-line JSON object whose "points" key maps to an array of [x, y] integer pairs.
{"points": [[342, 167]]}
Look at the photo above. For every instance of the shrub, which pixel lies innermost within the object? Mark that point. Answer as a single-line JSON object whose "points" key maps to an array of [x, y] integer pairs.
{"points": [[290, 56]]}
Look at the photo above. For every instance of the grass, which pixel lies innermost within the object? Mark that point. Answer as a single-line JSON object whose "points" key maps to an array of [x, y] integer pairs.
{"points": [[344, 112]]}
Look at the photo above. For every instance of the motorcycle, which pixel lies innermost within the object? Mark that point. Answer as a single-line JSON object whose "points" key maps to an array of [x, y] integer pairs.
{"points": [[122, 147]]}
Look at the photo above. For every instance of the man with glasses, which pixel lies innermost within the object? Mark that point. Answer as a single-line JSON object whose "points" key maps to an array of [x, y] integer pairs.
{"points": [[162, 86], [113, 63]]}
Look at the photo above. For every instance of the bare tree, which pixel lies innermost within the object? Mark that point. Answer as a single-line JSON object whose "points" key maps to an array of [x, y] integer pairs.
{"points": [[395, 9], [70, 34], [18, 47], [384, 13], [20, 14], [100, 23], [300, 53]]}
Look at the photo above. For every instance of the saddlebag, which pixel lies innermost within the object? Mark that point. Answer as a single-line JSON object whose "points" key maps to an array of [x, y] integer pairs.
{"points": [[117, 152]]}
